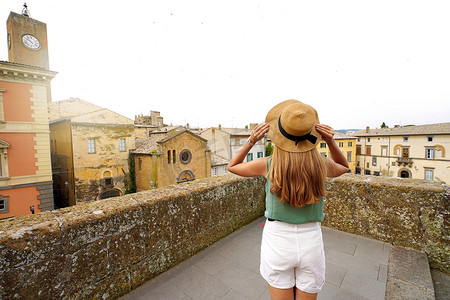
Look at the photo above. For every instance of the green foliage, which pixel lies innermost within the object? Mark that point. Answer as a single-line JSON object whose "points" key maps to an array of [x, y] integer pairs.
{"points": [[269, 149], [383, 125], [131, 178]]}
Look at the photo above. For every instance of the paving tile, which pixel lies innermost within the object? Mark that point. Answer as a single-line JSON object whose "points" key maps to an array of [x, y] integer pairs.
{"points": [[372, 250], [243, 280], [213, 263], [233, 295], [265, 295], [353, 264], [364, 286], [333, 241], [197, 284], [245, 257], [161, 291], [382, 273], [334, 274], [332, 292]]}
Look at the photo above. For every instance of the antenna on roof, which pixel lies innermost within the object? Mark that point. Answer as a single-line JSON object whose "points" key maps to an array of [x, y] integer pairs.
{"points": [[25, 10]]}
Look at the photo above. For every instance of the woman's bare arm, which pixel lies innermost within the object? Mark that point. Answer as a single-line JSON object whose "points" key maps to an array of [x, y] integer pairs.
{"points": [[253, 168], [338, 164]]}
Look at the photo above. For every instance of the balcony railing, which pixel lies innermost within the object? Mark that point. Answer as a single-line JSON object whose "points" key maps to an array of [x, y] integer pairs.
{"points": [[404, 161]]}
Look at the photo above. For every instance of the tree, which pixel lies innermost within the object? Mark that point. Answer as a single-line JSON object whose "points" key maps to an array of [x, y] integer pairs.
{"points": [[383, 125], [269, 149]]}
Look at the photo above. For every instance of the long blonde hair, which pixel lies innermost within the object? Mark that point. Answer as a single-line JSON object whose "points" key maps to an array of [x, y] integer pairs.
{"points": [[297, 177]]}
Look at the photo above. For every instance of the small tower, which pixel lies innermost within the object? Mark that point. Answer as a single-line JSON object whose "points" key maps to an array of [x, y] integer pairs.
{"points": [[27, 40]]}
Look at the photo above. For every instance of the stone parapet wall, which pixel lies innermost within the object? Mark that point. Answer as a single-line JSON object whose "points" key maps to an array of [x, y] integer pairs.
{"points": [[404, 212], [103, 249]]}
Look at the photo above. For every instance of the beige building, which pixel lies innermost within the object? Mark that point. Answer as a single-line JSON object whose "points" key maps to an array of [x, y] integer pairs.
{"points": [[419, 152], [178, 157], [347, 145], [218, 165], [225, 142], [90, 148]]}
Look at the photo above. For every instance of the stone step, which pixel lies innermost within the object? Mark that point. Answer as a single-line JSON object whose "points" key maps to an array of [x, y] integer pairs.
{"points": [[409, 275]]}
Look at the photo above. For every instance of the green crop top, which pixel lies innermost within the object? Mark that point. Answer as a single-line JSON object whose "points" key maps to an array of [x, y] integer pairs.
{"points": [[287, 213]]}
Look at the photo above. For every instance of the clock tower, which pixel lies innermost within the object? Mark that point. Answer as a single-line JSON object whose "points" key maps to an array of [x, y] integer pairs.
{"points": [[27, 40]]}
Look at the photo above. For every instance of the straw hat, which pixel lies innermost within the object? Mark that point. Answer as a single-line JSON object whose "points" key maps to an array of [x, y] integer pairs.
{"points": [[292, 126]]}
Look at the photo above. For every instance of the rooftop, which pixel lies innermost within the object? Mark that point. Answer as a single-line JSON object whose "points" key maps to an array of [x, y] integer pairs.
{"points": [[430, 129]]}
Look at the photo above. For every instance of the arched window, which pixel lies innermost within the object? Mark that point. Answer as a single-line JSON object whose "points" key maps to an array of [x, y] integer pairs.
{"points": [[404, 174], [174, 156], [4, 171], [168, 156]]}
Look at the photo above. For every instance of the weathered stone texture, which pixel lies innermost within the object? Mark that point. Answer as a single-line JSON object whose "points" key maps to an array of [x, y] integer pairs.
{"points": [[405, 212], [103, 249]]}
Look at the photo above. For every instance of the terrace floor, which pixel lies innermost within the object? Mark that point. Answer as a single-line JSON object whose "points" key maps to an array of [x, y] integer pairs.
{"points": [[229, 269]]}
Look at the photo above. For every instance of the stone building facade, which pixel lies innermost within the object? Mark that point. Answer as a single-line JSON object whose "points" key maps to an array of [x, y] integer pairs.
{"points": [[347, 145], [419, 152], [178, 157], [90, 147], [225, 142]]}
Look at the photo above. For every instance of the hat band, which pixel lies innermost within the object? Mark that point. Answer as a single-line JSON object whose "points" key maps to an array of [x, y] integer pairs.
{"points": [[296, 138]]}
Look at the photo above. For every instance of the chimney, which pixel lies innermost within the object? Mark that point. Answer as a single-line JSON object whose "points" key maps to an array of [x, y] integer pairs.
{"points": [[246, 126], [367, 129], [187, 126], [220, 126]]}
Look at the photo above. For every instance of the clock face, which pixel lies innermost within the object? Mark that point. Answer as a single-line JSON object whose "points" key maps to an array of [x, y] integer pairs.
{"points": [[31, 42]]}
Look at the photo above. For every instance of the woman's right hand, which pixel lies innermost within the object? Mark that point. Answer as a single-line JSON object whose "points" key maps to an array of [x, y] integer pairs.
{"points": [[258, 132], [326, 131]]}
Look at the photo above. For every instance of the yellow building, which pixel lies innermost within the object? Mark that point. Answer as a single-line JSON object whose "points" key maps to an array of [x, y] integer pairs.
{"points": [[178, 157], [347, 145], [90, 147]]}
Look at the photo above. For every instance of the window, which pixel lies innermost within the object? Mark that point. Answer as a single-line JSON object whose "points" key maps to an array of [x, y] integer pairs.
{"points": [[91, 146], [109, 182], [168, 157], [358, 149], [140, 163], [430, 138], [368, 140], [429, 153], [405, 152], [341, 144], [4, 171], [367, 150], [122, 145], [2, 114], [237, 142], [4, 204], [174, 156], [185, 156], [429, 174], [358, 171], [384, 150], [374, 161], [367, 165], [323, 145], [349, 155], [250, 157], [405, 139], [259, 154], [376, 173], [359, 139], [366, 172], [349, 144]]}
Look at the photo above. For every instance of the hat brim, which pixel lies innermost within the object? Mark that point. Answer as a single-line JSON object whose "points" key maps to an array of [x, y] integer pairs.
{"points": [[279, 140]]}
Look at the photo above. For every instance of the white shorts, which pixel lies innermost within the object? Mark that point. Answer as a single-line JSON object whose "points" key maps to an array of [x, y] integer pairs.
{"points": [[293, 255]]}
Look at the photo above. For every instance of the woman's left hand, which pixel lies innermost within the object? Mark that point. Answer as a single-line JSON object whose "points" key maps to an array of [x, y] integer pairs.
{"points": [[258, 133], [326, 131]]}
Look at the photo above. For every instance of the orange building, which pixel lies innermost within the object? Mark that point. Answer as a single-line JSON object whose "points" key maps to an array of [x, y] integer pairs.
{"points": [[25, 168]]}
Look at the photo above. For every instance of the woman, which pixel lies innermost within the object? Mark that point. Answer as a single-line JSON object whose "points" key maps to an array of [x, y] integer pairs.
{"points": [[292, 254]]}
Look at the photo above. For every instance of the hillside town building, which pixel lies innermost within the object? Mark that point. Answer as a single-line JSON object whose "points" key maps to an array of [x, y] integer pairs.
{"points": [[90, 147], [346, 143], [178, 157], [419, 152], [25, 169]]}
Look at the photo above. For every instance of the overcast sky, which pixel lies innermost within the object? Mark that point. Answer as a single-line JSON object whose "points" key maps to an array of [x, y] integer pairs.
{"points": [[228, 62]]}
